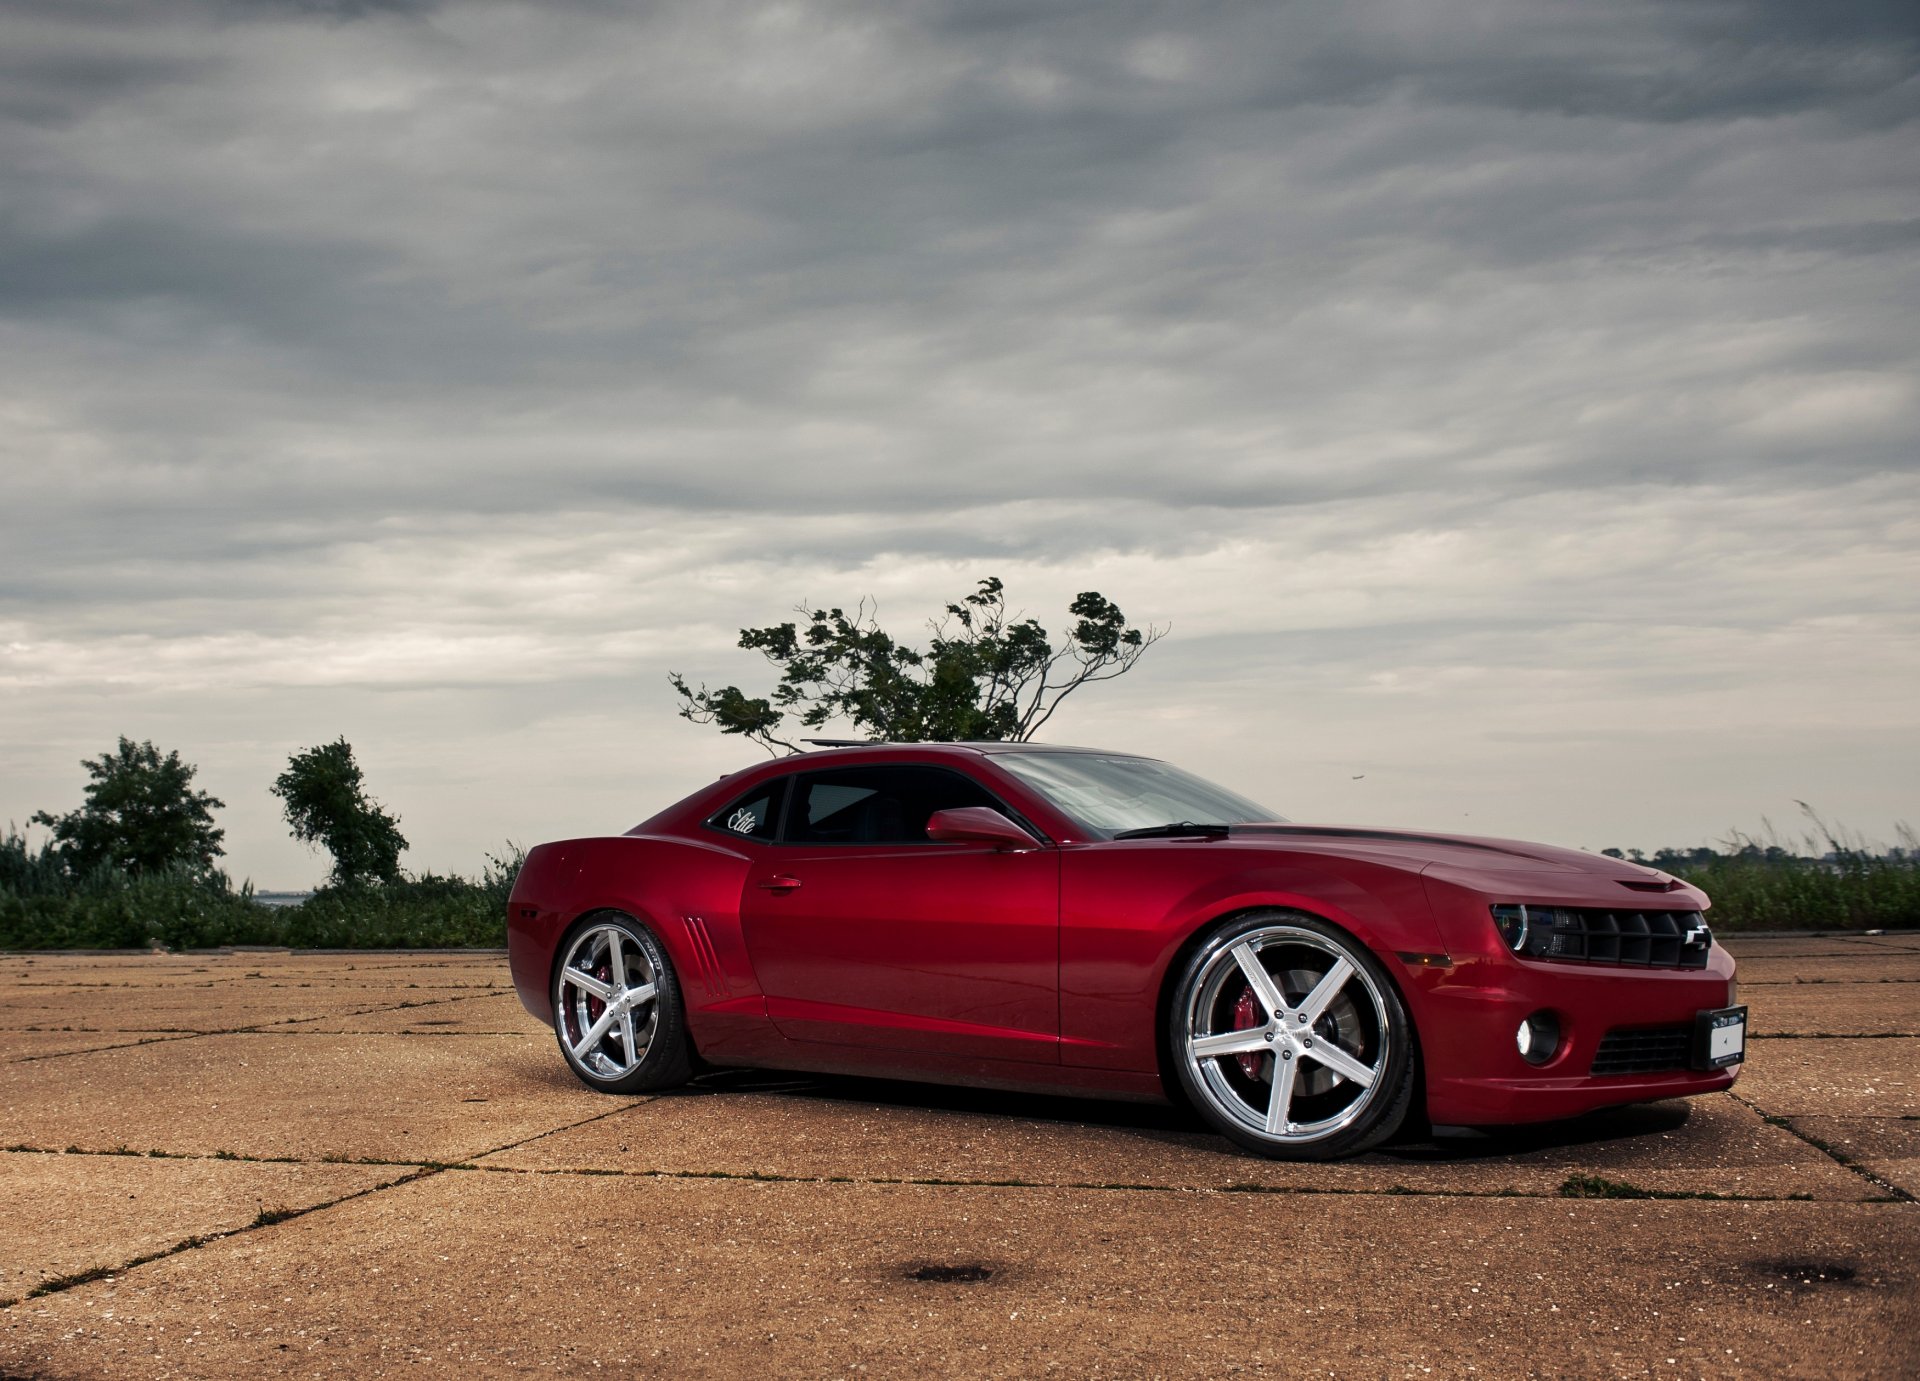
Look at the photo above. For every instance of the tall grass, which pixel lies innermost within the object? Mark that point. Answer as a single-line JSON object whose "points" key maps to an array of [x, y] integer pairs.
{"points": [[42, 907], [1828, 878]]}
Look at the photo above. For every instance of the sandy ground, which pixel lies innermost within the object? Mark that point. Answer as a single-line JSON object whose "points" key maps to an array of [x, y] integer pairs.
{"points": [[323, 1164]]}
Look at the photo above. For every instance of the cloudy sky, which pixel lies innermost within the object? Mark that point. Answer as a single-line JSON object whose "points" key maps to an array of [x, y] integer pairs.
{"points": [[1511, 407]]}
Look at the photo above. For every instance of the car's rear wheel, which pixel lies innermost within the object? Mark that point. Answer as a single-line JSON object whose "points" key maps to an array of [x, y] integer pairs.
{"points": [[1289, 1038], [617, 1009]]}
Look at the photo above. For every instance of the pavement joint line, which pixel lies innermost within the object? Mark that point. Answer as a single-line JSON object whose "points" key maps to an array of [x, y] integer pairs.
{"points": [[262, 1029], [267, 1218], [1819, 982], [1568, 1188], [121, 1045], [1839, 1157], [1576, 1186], [1834, 1036]]}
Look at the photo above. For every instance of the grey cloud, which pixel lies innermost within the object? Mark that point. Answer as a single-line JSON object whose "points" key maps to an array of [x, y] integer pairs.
{"points": [[337, 340]]}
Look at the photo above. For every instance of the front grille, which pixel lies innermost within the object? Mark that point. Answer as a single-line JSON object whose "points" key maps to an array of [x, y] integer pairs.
{"points": [[1650, 939], [1644, 1050]]}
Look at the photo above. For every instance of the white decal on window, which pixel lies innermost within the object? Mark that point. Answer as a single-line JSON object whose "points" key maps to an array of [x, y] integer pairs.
{"points": [[742, 821]]}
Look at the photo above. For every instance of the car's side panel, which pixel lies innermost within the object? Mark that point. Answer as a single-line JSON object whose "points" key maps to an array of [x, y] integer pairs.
{"points": [[686, 891], [1126, 909], [951, 949]]}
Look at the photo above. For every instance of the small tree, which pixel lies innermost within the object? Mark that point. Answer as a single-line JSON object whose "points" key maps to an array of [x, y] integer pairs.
{"points": [[141, 815], [985, 675], [326, 805]]}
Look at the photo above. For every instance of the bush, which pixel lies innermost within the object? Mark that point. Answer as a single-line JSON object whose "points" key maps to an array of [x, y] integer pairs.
{"points": [[42, 907]]}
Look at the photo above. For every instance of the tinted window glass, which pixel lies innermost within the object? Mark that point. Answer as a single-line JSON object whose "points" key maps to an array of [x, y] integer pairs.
{"points": [[755, 815], [1120, 793], [876, 805]]}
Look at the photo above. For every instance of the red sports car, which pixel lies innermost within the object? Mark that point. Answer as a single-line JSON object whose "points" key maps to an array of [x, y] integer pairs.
{"points": [[1037, 918]]}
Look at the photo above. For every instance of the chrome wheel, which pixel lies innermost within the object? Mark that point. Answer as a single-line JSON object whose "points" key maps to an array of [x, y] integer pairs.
{"points": [[606, 1002], [1287, 1038]]}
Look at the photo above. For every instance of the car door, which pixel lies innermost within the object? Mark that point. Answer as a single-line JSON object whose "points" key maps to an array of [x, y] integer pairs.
{"points": [[864, 932]]}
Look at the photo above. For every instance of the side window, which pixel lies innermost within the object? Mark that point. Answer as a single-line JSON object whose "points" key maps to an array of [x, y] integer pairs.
{"points": [[755, 815], [876, 805]]}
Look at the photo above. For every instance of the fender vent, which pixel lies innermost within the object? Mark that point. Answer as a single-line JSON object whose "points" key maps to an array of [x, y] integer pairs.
{"points": [[713, 979]]}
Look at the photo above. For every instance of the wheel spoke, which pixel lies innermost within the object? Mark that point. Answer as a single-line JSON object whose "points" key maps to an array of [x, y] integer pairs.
{"points": [[616, 967], [1340, 1062], [1229, 1043], [640, 996], [1324, 991], [1259, 978], [586, 983], [627, 1034], [1280, 1103], [593, 1034]]}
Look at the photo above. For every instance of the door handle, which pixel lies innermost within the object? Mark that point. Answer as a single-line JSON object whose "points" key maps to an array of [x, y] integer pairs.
{"points": [[779, 882]]}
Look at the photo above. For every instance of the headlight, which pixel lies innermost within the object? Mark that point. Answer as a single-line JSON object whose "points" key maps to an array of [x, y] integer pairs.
{"points": [[1664, 939], [1512, 921]]}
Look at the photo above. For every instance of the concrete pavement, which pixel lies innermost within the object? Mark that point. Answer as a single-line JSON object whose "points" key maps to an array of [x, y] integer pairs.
{"points": [[359, 1164]]}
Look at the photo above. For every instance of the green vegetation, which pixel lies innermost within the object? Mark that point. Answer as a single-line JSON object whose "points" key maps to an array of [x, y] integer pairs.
{"points": [[325, 805], [1827, 880], [984, 675], [142, 817], [133, 868], [44, 906]]}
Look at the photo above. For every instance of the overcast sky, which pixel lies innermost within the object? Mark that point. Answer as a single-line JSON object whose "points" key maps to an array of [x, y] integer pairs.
{"points": [[1511, 407]]}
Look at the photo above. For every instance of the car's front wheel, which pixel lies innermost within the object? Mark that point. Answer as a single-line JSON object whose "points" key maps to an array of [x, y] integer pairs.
{"points": [[1289, 1038], [617, 1009]]}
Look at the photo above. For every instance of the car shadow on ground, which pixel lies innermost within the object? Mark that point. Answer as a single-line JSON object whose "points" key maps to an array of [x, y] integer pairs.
{"points": [[1178, 1124]]}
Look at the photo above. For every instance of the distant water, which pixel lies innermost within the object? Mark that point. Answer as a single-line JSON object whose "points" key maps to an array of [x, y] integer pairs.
{"points": [[281, 898]]}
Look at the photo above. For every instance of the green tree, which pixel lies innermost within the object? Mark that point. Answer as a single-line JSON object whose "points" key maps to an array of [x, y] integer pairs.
{"points": [[326, 805], [984, 674], [141, 816]]}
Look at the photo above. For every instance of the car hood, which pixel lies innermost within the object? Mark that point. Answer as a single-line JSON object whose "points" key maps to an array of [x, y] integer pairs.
{"points": [[1464, 856]]}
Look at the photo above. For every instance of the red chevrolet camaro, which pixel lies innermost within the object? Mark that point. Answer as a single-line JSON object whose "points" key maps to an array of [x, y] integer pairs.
{"points": [[1024, 917]]}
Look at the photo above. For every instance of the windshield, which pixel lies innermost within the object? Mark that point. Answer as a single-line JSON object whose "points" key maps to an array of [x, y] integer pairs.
{"points": [[1111, 794]]}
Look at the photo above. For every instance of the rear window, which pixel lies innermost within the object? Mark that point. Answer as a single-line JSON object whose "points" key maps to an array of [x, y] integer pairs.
{"points": [[755, 815]]}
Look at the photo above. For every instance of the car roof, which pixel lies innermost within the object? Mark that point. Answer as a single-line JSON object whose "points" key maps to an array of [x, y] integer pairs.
{"points": [[837, 747]]}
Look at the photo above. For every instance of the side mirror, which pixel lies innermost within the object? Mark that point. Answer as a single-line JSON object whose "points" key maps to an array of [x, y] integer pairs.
{"points": [[978, 825]]}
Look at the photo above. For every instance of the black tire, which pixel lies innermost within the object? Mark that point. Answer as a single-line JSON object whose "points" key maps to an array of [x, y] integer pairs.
{"points": [[644, 1045], [1292, 1072]]}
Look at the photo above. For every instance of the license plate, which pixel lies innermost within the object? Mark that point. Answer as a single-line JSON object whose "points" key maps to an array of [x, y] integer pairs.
{"points": [[1720, 1038]]}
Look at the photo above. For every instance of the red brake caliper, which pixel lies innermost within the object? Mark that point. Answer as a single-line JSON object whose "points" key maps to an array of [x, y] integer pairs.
{"points": [[594, 1005], [1246, 1015]]}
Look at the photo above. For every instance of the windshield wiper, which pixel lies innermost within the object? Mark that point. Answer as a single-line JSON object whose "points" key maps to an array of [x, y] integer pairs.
{"points": [[1178, 829]]}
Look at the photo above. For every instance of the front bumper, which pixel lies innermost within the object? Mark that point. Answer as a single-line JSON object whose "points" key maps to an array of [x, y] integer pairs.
{"points": [[1467, 1012]]}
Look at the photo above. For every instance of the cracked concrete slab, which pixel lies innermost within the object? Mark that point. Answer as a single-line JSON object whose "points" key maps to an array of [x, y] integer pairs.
{"points": [[33, 1045], [1846, 1078], [178, 1009], [508, 1267], [853, 1130], [706, 1278], [115, 1209], [1860, 1009], [361, 1097], [1868, 966], [483, 1014], [1888, 1146]]}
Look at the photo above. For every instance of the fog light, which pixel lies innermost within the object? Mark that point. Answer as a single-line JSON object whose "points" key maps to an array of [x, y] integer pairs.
{"points": [[1538, 1038]]}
